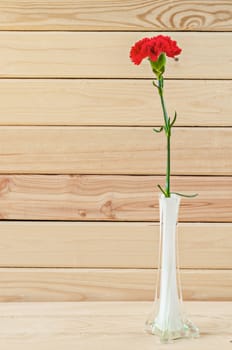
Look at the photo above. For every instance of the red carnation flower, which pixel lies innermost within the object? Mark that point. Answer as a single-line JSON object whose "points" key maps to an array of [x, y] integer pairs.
{"points": [[139, 51], [153, 47]]}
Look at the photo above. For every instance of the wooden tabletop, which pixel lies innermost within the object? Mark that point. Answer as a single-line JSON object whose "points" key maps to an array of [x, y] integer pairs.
{"points": [[105, 325]]}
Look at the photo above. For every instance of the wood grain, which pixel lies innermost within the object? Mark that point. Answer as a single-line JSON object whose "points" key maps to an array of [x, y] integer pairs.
{"points": [[115, 15], [110, 245], [105, 325], [99, 125], [100, 55], [113, 102], [106, 284], [113, 150], [110, 198]]}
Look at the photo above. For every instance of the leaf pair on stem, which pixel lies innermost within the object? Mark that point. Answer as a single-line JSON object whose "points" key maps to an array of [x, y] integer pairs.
{"points": [[167, 129]]}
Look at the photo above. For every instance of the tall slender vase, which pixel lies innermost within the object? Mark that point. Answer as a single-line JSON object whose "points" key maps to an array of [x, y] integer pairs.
{"points": [[167, 319]]}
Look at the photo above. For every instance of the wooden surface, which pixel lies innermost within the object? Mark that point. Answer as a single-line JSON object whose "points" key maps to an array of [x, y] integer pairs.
{"points": [[115, 15], [82, 284], [105, 325], [112, 102], [76, 145], [113, 150], [110, 245], [111, 197], [70, 54]]}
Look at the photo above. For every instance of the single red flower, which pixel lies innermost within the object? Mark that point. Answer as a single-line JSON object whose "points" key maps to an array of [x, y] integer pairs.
{"points": [[153, 47]]}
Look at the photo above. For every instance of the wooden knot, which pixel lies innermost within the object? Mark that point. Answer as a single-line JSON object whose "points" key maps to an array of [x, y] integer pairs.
{"points": [[107, 209], [82, 213]]}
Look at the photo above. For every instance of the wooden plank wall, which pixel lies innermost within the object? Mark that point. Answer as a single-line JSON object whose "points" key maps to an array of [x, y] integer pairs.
{"points": [[79, 162]]}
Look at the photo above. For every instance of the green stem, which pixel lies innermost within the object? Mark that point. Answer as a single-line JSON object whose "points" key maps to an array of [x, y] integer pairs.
{"points": [[168, 135], [163, 106], [168, 169]]}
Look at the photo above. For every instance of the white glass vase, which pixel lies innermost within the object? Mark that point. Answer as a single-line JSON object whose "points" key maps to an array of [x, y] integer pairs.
{"points": [[167, 319]]}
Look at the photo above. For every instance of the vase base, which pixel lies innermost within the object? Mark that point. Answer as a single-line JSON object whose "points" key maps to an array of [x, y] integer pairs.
{"points": [[188, 330]]}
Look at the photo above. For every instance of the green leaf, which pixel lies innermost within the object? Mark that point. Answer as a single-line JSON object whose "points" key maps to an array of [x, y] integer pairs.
{"points": [[160, 63], [155, 84], [158, 130], [161, 70], [186, 195], [158, 66], [162, 190], [174, 119]]}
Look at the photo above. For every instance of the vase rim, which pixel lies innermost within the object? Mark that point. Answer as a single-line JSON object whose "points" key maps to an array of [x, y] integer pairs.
{"points": [[173, 196]]}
